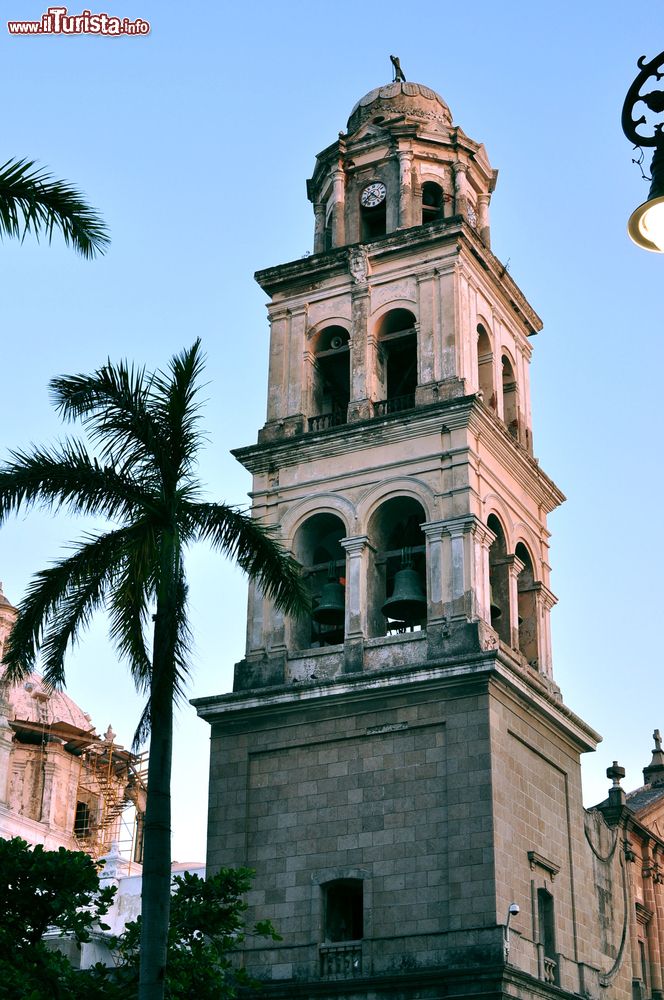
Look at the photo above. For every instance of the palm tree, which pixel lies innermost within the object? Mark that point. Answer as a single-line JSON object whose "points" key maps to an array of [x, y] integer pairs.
{"points": [[31, 201], [146, 428]]}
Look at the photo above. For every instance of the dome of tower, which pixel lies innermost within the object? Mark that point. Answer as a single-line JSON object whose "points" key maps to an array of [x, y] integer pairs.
{"points": [[32, 701], [401, 98]]}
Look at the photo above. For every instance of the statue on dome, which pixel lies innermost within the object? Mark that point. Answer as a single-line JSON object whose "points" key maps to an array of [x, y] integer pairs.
{"points": [[398, 72]]}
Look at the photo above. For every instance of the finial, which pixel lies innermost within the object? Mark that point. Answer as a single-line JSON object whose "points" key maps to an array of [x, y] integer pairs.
{"points": [[398, 72], [109, 735], [616, 773], [653, 774]]}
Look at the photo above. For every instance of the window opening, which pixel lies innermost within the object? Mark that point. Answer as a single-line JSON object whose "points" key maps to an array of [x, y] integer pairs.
{"points": [[485, 367], [397, 600], [323, 559], [432, 202], [397, 362], [82, 821], [510, 414], [499, 581], [331, 389], [527, 591], [343, 905]]}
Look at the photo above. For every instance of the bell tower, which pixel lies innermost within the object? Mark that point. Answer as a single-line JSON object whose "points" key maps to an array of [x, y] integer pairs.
{"points": [[378, 760]]}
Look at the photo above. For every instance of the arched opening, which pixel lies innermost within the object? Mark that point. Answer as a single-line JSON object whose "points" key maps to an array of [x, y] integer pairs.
{"points": [[510, 405], [323, 560], [343, 910], [331, 386], [397, 361], [485, 367], [499, 581], [373, 211], [432, 202], [527, 589], [397, 599]]}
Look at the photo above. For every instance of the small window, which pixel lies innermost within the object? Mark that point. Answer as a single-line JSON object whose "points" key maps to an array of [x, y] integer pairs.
{"points": [[510, 405], [343, 908], [82, 820], [546, 923]]}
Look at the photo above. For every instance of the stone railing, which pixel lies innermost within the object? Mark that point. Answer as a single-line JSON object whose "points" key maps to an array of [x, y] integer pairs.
{"points": [[325, 420], [342, 961], [549, 970]]}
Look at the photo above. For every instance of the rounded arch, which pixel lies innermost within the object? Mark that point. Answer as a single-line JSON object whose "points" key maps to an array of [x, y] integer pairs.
{"points": [[407, 486], [396, 579], [499, 580], [527, 590], [510, 392], [526, 537], [314, 331], [485, 378], [317, 547], [330, 377], [493, 503], [397, 369], [323, 503]]}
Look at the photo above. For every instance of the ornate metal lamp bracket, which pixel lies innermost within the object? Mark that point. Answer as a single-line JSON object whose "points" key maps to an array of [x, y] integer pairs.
{"points": [[654, 101]]}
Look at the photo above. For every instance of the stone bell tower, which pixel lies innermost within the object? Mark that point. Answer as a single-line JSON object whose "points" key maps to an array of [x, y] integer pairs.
{"points": [[398, 767]]}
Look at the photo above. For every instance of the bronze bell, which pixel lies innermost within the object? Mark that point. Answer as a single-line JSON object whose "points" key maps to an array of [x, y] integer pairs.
{"points": [[408, 602], [331, 608]]}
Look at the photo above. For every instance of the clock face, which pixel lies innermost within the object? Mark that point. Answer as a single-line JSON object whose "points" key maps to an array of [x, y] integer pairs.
{"points": [[373, 194]]}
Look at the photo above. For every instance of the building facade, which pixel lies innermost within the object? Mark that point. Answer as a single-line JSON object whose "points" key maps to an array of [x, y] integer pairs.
{"points": [[61, 783], [399, 766]]}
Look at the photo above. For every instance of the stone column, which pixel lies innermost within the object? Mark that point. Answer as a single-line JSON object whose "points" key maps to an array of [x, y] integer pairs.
{"points": [[319, 227], [515, 566], [460, 189], [546, 600], [426, 343], [357, 552], [6, 737], [338, 207], [405, 189], [362, 357], [461, 566], [276, 399], [652, 927], [483, 219], [438, 573], [297, 342]]}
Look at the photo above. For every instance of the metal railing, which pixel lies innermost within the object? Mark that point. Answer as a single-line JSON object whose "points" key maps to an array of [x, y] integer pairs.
{"points": [[343, 960], [394, 405]]}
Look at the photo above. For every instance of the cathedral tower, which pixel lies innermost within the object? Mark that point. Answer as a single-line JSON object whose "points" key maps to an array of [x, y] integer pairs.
{"points": [[398, 767]]}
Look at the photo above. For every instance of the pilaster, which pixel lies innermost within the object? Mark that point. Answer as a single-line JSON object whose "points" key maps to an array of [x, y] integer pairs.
{"points": [[357, 555]]}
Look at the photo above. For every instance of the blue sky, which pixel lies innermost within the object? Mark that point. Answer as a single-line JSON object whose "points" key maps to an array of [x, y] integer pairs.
{"points": [[195, 142]]}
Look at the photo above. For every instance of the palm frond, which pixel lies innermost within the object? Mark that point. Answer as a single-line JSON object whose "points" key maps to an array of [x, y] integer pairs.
{"points": [[243, 539], [32, 201], [112, 403], [67, 476], [60, 602], [174, 404], [130, 601]]}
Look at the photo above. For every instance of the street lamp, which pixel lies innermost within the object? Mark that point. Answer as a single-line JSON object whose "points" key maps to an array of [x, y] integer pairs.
{"points": [[646, 223]]}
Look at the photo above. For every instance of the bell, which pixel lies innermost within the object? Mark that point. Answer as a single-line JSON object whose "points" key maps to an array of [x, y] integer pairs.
{"points": [[408, 602], [496, 612], [331, 608]]}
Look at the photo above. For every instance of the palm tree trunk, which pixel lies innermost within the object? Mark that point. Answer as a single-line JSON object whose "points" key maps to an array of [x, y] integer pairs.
{"points": [[156, 886]]}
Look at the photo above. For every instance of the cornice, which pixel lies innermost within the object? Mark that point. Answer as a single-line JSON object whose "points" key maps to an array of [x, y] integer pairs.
{"points": [[309, 272], [463, 412]]}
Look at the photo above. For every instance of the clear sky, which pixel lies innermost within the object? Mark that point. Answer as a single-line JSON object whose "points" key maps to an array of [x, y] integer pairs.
{"points": [[195, 141]]}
